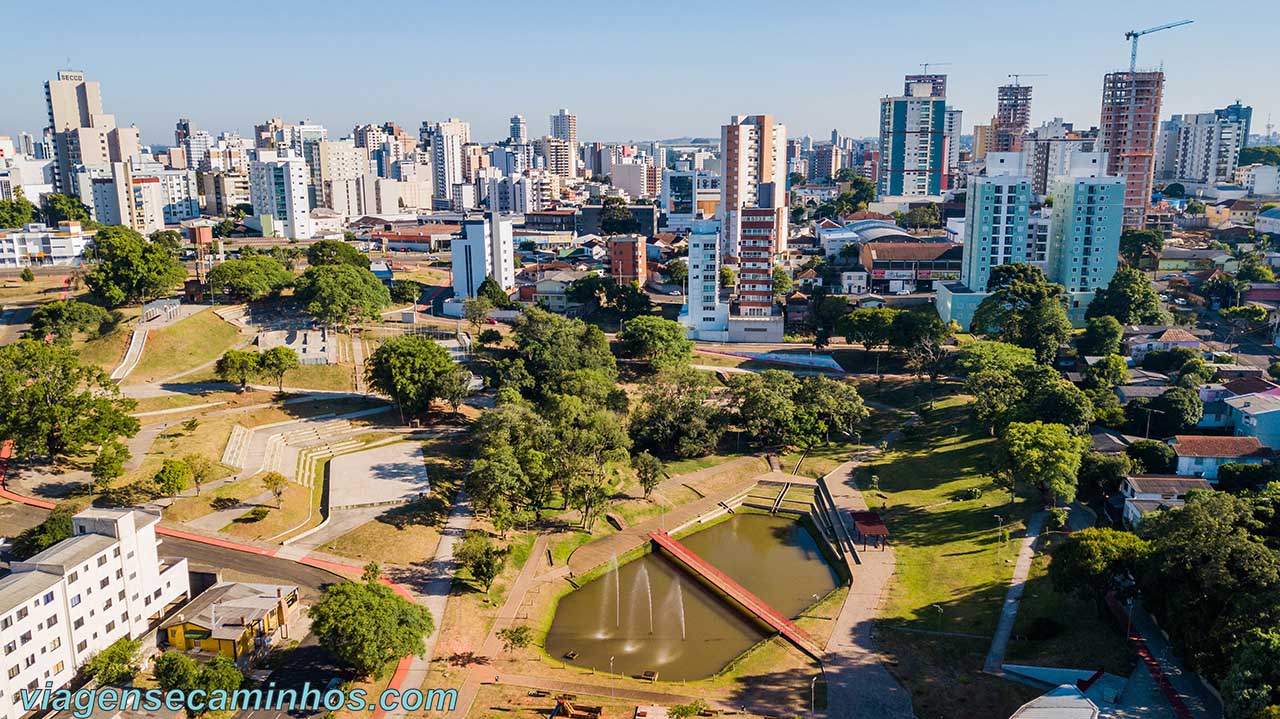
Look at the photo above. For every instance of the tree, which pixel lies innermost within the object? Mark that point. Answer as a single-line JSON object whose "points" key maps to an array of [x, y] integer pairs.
{"points": [[553, 348], [1097, 560], [482, 559], [781, 282], [1260, 154], [336, 252], [173, 477], [648, 469], [869, 327], [409, 369], [489, 337], [684, 711], [170, 240], [674, 417], [341, 294], [1101, 475], [517, 637], [58, 207], [910, 327], [27, 275], [490, 289], [1174, 190], [250, 278], [1045, 455], [129, 268], [1136, 244], [1107, 373], [1253, 271], [795, 178], [1102, 336], [201, 467], [55, 528], [988, 355], [219, 676], [366, 625], [224, 228], [995, 392], [658, 341], [677, 271], [406, 290], [1027, 311], [1151, 457], [1195, 207], [476, 310], [175, 670], [1226, 289], [116, 664], [275, 483], [1128, 297], [616, 218], [51, 404], [836, 404], [455, 385], [727, 276], [1252, 684], [1174, 411], [277, 362], [922, 216], [238, 367], [18, 211], [1244, 319], [64, 318], [108, 465]]}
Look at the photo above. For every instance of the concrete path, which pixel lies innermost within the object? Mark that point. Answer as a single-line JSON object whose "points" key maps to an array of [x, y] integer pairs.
{"points": [[858, 684], [215, 521], [1012, 600], [433, 583], [357, 358], [1181, 687], [339, 523]]}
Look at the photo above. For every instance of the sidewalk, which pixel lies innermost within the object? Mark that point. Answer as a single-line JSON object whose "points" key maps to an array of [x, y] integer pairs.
{"points": [[1180, 686], [1013, 599]]}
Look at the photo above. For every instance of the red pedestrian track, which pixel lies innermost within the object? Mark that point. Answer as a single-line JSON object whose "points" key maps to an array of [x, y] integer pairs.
{"points": [[737, 593], [1157, 672]]}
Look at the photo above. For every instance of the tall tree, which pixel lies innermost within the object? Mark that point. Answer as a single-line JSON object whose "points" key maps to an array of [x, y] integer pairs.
{"points": [[238, 366], [1129, 298], [675, 416], [1026, 310], [1095, 561], [366, 625], [869, 327], [648, 469], [408, 369], [64, 318], [476, 310], [250, 278], [482, 559], [342, 294], [1045, 455], [658, 341], [336, 252], [58, 207], [129, 268], [987, 355], [18, 211], [1102, 336], [277, 362], [51, 404], [1136, 244]]}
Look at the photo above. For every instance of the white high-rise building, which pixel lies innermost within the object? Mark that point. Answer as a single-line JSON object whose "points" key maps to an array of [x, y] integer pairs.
{"points": [[952, 122], [913, 143], [556, 155], [486, 249], [706, 316], [446, 140], [278, 182], [564, 126], [68, 603], [1202, 148], [139, 194], [519, 130], [337, 160]]}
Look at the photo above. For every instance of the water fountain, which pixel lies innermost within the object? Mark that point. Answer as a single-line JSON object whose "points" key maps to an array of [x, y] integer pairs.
{"points": [[617, 591], [642, 577], [680, 607]]}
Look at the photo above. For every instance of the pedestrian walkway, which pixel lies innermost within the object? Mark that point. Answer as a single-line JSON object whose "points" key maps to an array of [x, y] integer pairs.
{"points": [[1012, 600], [1181, 687], [215, 521], [858, 684]]}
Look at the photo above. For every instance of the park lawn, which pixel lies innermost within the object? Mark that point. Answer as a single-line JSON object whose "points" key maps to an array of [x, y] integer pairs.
{"points": [[184, 345], [820, 460], [333, 377], [189, 508], [12, 287], [108, 349], [289, 518], [1084, 640], [408, 534]]}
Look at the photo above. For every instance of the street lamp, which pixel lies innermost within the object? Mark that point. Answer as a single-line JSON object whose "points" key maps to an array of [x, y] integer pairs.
{"points": [[812, 691], [612, 683], [939, 608], [999, 527]]}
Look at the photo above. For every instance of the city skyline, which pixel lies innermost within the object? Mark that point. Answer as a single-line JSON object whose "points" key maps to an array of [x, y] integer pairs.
{"points": [[377, 76]]}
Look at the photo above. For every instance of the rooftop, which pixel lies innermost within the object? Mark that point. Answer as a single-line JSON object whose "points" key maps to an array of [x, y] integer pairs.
{"points": [[1194, 445], [1254, 404], [1249, 385], [1166, 484], [911, 251], [224, 608], [72, 551], [18, 588]]}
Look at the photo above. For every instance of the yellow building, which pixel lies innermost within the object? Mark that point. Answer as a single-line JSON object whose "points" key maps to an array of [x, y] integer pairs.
{"points": [[234, 619]]}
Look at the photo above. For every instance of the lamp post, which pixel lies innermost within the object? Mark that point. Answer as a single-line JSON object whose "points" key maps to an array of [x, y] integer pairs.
{"points": [[939, 608], [813, 685], [612, 684]]}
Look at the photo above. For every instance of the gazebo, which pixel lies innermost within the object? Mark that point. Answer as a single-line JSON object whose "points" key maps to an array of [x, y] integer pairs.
{"points": [[870, 528]]}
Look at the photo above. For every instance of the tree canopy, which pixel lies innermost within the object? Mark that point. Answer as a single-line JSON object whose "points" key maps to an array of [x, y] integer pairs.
{"points": [[1024, 309], [129, 268], [17, 211], [64, 318], [660, 342], [1129, 298], [409, 369], [1136, 244], [342, 294], [336, 252], [366, 625], [1046, 455], [250, 278]]}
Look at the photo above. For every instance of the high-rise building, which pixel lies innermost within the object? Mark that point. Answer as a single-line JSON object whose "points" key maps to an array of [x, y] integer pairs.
{"points": [[754, 155], [27, 144], [758, 245], [278, 182], [1238, 112], [82, 134], [486, 249], [1084, 239], [937, 84], [337, 161], [519, 130], [688, 195], [1202, 148], [825, 162], [704, 313], [628, 259], [63, 606], [952, 127], [223, 190], [913, 143], [997, 208], [182, 130], [446, 140], [138, 194], [564, 126], [1013, 117], [555, 155], [1127, 133], [1050, 148]]}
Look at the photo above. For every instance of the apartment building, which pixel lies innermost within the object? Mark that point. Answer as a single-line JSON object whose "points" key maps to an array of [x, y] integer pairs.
{"points": [[1013, 117], [446, 140], [1202, 148], [64, 605], [1127, 134], [913, 143], [628, 259], [223, 190], [38, 244], [486, 249], [278, 188], [753, 153]]}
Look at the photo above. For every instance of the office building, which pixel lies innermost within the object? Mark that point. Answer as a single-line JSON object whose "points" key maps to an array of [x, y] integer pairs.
{"points": [[66, 604], [564, 126], [82, 134], [278, 188], [913, 143], [37, 244], [1127, 134], [1013, 117], [519, 130], [223, 191], [639, 178], [628, 259], [753, 154], [1201, 149], [446, 140], [1077, 245], [486, 249], [688, 195]]}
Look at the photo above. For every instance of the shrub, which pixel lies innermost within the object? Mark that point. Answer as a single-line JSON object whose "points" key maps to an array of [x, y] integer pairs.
{"points": [[1057, 520]]}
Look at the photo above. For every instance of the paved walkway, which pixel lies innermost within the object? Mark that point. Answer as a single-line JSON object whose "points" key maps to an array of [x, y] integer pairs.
{"points": [[1181, 688], [215, 521], [858, 684], [1013, 599]]}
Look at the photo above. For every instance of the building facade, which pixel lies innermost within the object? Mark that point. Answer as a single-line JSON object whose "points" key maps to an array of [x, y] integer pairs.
{"points": [[913, 143], [628, 259], [37, 244], [1202, 148], [753, 154], [486, 249], [1130, 120], [278, 187]]}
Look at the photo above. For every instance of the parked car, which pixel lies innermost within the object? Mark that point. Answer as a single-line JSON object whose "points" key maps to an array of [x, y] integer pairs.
{"points": [[675, 293]]}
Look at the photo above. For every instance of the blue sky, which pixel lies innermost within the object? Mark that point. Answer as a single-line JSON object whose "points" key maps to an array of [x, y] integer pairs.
{"points": [[630, 71]]}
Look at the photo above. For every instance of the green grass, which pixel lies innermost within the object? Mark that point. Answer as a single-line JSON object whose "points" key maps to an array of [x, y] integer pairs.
{"points": [[334, 377], [107, 350], [184, 345]]}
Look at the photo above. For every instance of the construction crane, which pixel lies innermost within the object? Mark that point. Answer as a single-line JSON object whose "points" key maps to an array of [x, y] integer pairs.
{"points": [[1017, 75], [1133, 36], [924, 66]]}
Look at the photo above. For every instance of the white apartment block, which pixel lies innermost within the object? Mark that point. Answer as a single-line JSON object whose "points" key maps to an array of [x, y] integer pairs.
{"points": [[38, 244], [706, 316], [1201, 148], [508, 195], [337, 160], [446, 140], [1259, 179], [278, 186], [556, 155], [952, 126], [139, 194], [486, 248], [66, 604], [688, 195]]}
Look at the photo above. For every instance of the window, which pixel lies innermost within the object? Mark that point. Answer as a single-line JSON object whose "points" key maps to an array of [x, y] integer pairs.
{"points": [[78, 623], [26, 637], [82, 646], [103, 584], [57, 642], [13, 671], [22, 613], [53, 620], [48, 597], [6, 623], [75, 600], [102, 560]]}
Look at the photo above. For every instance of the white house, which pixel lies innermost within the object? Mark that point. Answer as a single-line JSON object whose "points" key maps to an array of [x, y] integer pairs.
{"points": [[62, 606], [1144, 494], [1202, 455]]}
